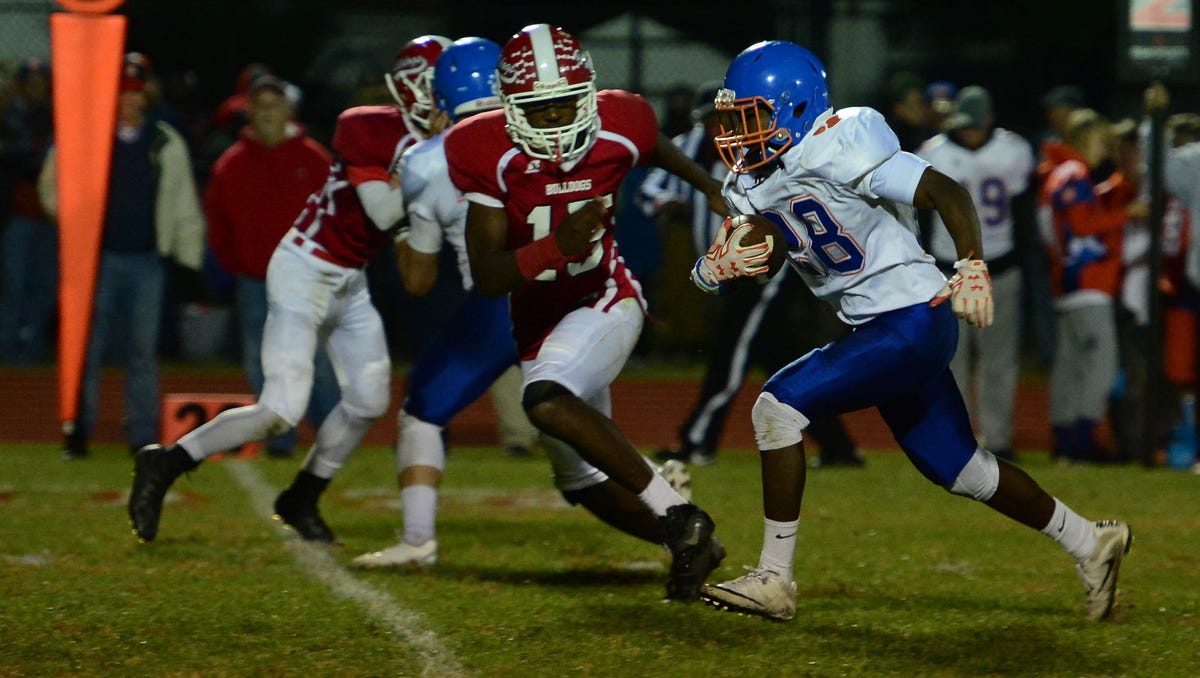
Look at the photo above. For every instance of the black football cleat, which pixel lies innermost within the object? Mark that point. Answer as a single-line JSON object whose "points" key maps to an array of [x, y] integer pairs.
{"points": [[301, 515], [154, 470], [694, 551]]}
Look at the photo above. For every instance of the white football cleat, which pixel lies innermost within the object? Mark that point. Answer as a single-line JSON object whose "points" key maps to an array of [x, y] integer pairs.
{"points": [[762, 592], [1098, 572], [400, 556], [676, 474]]}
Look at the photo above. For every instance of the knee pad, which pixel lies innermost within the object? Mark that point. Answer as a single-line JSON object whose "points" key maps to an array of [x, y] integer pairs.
{"points": [[420, 444], [979, 478], [776, 424], [539, 392]]}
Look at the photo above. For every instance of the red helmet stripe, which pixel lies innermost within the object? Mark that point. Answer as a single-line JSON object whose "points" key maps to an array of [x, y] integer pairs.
{"points": [[541, 38]]}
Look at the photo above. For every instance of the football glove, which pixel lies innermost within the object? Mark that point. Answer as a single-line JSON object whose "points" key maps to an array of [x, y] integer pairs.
{"points": [[969, 292], [728, 260]]}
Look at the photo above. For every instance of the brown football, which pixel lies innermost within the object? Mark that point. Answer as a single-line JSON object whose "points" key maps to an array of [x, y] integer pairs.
{"points": [[762, 228]]}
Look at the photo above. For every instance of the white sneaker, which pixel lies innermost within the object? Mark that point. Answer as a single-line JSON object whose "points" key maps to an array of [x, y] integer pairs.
{"points": [[400, 556], [762, 592], [676, 474], [1098, 572]]}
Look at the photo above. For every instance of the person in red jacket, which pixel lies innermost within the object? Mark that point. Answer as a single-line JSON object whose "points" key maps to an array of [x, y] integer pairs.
{"points": [[256, 189], [1088, 219]]}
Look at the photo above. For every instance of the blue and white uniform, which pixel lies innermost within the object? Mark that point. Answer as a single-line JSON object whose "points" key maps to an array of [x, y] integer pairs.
{"points": [[476, 346], [843, 197]]}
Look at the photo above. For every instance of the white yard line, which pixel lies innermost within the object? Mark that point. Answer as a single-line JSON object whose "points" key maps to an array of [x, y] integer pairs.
{"points": [[410, 628]]}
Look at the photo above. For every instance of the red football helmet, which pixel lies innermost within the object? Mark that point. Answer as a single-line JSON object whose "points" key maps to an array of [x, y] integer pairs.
{"points": [[540, 64], [411, 79]]}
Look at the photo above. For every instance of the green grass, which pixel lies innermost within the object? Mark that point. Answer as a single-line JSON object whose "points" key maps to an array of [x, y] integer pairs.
{"points": [[896, 578]]}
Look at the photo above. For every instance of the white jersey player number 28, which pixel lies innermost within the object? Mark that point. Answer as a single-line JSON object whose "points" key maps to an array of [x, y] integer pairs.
{"points": [[539, 219], [835, 248]]}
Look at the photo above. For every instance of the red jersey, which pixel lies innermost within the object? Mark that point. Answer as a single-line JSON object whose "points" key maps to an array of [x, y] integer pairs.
{"points": [[1088, 223], [367, 144], [537, 195], [254, 194]]}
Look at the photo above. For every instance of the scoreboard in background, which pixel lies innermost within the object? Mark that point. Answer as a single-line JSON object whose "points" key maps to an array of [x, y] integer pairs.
{"points": [[1157, 41]]}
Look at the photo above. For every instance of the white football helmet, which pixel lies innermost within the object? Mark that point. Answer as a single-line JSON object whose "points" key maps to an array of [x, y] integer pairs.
{"points": [[540, 64], [411, 78]]}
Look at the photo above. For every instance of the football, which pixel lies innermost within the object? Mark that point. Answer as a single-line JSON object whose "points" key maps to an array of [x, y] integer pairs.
{"points": [[763, 227]]}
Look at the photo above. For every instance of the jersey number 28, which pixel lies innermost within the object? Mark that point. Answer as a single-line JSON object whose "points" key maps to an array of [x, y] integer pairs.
{"points": [[833, 247]]}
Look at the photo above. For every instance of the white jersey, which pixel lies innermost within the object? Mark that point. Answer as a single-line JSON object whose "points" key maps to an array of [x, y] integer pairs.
{"points": [[437, 211], [994, 174], [844, 195]]}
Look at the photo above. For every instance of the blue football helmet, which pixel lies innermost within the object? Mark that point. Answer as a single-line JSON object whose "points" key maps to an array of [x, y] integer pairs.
{"points": [[464, 77], [776, 77]]}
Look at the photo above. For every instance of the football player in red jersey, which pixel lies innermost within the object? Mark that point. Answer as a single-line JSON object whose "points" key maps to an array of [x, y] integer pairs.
{"points": [[541, 177], [317, 292]]}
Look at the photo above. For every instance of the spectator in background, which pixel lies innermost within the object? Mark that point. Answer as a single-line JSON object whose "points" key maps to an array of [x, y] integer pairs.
{"points": [[1127, 405], [256, 190], [1181, 175], [996, 167], [231, 116], [751, 326], [29, 240], [1058, 104], [152, 212], [940, 96], [1088, 220], [907, 110]]}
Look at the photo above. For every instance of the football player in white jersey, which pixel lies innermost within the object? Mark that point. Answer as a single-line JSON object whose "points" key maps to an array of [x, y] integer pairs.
{"points": [[842, 191], [996, 166]]}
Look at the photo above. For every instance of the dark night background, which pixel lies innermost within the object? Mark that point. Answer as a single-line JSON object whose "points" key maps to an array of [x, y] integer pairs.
{"points": [[1018, 48]]}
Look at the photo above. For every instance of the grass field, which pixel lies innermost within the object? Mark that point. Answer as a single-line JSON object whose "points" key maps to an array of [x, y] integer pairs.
{"points": [[896, 578]]}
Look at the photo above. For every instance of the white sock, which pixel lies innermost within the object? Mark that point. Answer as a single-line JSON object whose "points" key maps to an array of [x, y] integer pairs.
{"points": [[659, 496], [779, 546], [229, 430], [1071, 531], [419, 503], [337, 438]]}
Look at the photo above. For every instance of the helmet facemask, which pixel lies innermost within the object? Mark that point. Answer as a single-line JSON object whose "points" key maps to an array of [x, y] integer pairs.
{"points": [[746, 142], [558, 144], [415, 96]]}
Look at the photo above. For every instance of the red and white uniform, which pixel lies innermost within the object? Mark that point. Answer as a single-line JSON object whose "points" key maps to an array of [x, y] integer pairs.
{"points": [[368, 143], [316, 283], [538, 194]]}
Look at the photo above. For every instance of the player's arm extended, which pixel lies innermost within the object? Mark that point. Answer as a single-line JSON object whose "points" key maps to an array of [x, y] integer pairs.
{"points": [[936, 191], [668, 156]]}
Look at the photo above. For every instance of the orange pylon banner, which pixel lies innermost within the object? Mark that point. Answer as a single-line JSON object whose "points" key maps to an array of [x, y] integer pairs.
{"points": [[85, 52]]}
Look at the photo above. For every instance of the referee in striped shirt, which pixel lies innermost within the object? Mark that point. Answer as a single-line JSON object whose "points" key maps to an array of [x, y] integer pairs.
{"points": [[744, 331]]}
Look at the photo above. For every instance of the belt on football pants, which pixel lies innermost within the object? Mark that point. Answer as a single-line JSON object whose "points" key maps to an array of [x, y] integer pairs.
{"points": [[311, 247]]}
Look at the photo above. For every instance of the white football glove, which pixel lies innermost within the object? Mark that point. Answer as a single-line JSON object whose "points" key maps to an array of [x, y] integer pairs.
{"points": [[728, 260], [970, 292]]}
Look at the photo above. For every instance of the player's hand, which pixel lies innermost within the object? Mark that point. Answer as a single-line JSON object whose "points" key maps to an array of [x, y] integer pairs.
{"points": [[575, 234], [969, 292], [728, 260]]}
